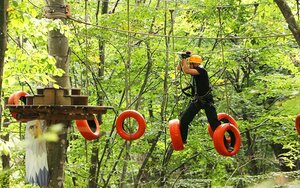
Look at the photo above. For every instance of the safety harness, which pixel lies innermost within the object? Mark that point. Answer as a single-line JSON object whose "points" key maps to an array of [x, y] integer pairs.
{"points": [[195, 95]]}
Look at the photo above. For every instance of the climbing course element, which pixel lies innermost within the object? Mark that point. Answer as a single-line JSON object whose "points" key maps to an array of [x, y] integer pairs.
{"points": [[54, 104], [297, 124], [15, 98], [89, 129], [226, 118], [174, 126], [218, 139], [130, 114]]}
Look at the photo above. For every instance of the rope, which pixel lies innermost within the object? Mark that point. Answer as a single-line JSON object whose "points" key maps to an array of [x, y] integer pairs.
{"points": [[86, 45], [127, 65], [185, 37], [223, 58], [184, 9], [127, 145], [164, 107], [174, 58], [86, 68], [181, 37]]}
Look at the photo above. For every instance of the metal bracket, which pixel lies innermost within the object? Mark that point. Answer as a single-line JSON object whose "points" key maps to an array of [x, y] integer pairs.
{"points": [[57, 11]]}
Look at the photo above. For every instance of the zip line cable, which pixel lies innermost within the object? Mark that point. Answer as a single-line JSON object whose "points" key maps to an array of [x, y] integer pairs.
{"points": [[185, 37], [230, 49], [179, 9], [181, 37]]}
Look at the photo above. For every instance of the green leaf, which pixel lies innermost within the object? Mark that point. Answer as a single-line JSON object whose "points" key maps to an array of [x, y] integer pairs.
{"points": [[50, 137]]}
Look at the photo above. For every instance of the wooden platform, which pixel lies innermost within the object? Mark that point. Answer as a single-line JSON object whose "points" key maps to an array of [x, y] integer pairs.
{"points": [[56, 112], [53, 104]]}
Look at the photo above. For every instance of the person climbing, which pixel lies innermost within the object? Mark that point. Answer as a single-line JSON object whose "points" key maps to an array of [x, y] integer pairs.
{"points": [[201, 97]]}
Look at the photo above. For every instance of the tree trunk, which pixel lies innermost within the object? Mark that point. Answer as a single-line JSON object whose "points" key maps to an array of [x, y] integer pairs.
{"points": [[93, 178], [278, 150], [3, 45], [3, 37], [253, 170], [147, 157], [289, 18], [5, 178], [56, 151], [168, 153]]}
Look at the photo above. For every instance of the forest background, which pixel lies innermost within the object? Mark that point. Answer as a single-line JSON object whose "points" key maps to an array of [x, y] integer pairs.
{"points": [[123, 54]]}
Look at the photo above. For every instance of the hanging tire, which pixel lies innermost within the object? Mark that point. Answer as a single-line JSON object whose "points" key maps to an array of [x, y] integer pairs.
{"points": [[223, 116], [130, 114], [218, 139], [15, 98], [174, 127], [297, 124], [89, 129]]}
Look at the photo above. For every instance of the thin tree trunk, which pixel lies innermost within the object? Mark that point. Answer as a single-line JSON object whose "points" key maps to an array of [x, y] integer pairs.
{"points": [[56, 151], [3, 45], [142, 168], [147, 74], [162, 180], [254, 170], [123, 182], [127, 97], [115, 165], [3, 38], [289, 18], [142, 90], [93, 180], [5, 178], [149, 61]]}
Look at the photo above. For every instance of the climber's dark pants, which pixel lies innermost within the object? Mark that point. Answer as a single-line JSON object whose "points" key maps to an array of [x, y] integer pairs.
{"points": [[193, 108]]}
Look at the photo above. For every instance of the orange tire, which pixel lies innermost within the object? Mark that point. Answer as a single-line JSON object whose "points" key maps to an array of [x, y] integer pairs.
{"points": [[297, 124], [14, 99], [218, 139], [84, 127], [174, 126], [130, 114], [222, 116], [11, 99]]}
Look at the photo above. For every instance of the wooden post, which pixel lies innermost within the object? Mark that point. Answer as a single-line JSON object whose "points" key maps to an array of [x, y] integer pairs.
{"points": [[3, 45], [3, 36], [59, 48]]}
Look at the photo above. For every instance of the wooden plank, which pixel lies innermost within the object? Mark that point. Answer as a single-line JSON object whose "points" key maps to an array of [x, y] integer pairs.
{"points": [[57, 112], [26, 116]]}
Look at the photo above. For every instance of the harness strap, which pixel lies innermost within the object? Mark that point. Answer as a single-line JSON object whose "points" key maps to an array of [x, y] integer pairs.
{"points": [[185, 89], [202, 97]]}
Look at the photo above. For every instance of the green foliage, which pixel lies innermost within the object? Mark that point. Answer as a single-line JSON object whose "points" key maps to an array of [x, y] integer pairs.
{"points": [[4, 149], [255, 77], [27, 59]]}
